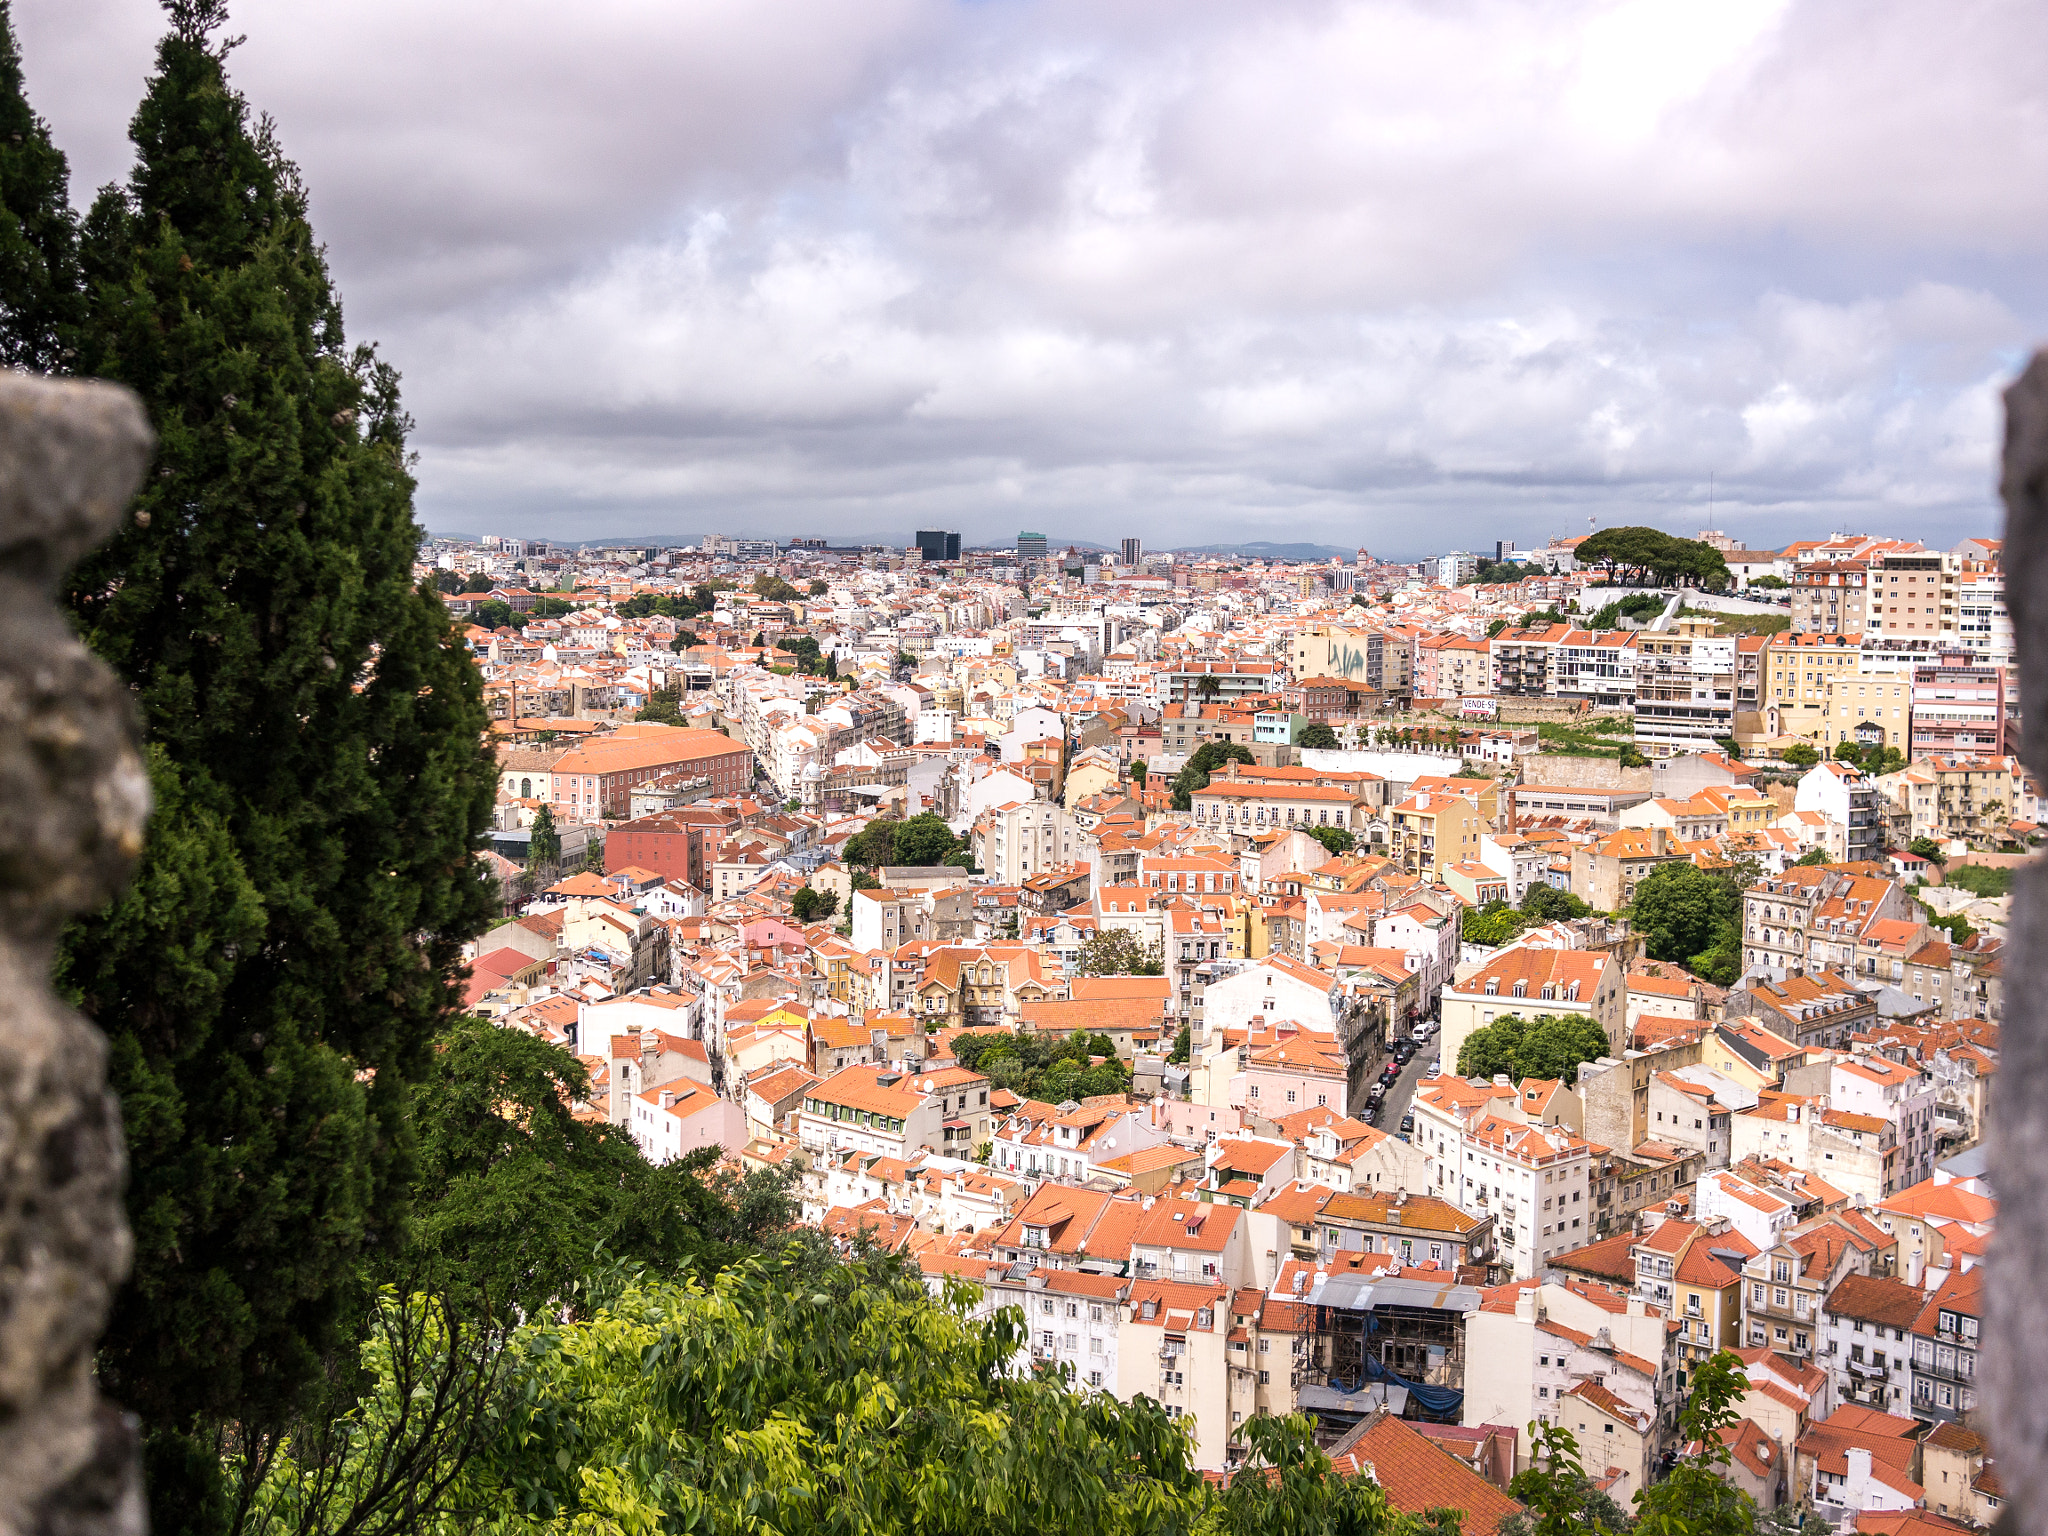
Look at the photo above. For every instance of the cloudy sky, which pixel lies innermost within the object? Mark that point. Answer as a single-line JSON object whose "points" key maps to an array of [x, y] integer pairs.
{"points": [[1413, 276]]}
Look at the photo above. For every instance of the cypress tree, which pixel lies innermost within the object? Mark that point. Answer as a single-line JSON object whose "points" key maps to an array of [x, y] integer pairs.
{"points": [[271, 985], [41, 305]]}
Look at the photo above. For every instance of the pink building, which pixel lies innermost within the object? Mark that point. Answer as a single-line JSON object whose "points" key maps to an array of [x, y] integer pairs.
{"points": [[1958, 708]]}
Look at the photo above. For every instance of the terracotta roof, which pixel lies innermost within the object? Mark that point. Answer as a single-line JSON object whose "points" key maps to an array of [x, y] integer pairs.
{"points": [[1418, 1475]]}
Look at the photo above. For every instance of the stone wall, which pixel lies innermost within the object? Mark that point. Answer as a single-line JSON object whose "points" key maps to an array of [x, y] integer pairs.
{"points": [[73, 799], [2016, 1359], [1567, 770]]}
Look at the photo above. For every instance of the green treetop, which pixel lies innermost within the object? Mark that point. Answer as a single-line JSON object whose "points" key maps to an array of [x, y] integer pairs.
{"points": [[42, 305], [273, 981]]}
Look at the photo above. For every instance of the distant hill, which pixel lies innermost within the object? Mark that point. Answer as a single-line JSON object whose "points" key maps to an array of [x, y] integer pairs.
{"points": [[1263, 550]]}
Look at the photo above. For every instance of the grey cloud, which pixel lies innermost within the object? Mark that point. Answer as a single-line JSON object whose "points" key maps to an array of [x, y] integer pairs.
{"points": [[1404, 274]]}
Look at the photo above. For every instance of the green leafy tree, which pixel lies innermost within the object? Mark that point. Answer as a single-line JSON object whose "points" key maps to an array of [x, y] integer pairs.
{"points": [[1545, 1046], [1812, 856], [478, 581], [1492, 924], [1559, 1499], [1183, 1045], [849, 1401], [1288, 1486], [832, 668], [1698, 1499], [1801, 755], [803, 906], [1927, 848], [774, 589], [1495, 627], [1630, 757], [1651, 556], [1769, 583], [1955, 925], [1317, 735], [924, 839], [1194, 774], [664, 706], [684, 640], [873, 846], [274, 980], [1336, 839], [544, 848], [1208, 687], [42, 300], [1116, 952], [1547, 904], [496, 614], [1681, 910], [1138, 772], [525, 1192], [1042, 1065], [818, 589]]}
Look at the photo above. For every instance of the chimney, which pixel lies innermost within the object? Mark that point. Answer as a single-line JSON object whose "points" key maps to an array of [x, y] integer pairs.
{"points": [[668, 1100], [1660, 840]]}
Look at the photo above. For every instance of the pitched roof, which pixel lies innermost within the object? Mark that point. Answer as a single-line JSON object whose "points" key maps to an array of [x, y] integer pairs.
{"points": [[1418, 1475]]}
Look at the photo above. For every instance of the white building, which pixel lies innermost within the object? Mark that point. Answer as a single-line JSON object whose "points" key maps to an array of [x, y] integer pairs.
{"points": [[1535, 1180]]}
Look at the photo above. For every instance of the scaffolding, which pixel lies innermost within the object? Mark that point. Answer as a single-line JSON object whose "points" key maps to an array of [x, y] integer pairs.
{"points": [[1384, 1341]]}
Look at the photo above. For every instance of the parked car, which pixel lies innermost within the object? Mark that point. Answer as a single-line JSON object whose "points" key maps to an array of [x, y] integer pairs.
{"points": [[1436, 1070], [1408, 1123]]}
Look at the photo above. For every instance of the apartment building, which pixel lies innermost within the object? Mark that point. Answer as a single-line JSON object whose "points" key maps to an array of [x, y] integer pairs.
{"points": [[1529, 981], [1685, 691], [1946, 1336], [1172, 1346], [1691, 1272], [1022, 838], [1912, 596], [1524, 660], [884, 918], [1245, 810], [1534, 1180], [1072, 1319], [897, 1114], [1788, 1283], [1595, 668], [1850, 801], [1802, 670], [1828, 597], [1867, 1322], [1959, 704], [1810, 1010], [1432, 830], [1817, 918], [1605, 873], [1576, 1355]]}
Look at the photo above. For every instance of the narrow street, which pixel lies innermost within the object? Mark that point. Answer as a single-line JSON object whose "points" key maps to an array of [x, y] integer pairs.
{"points": [[1402, 1093]]}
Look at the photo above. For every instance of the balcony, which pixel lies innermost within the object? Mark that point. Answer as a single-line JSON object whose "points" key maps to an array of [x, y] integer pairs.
{"points": [[1964, 1369]]}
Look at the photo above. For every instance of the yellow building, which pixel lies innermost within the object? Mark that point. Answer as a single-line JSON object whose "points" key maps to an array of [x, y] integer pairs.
{"points": [[1800, 672], [1430, 831], [1883, 698]]}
